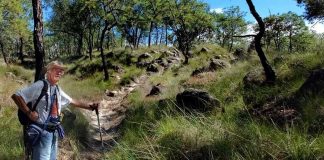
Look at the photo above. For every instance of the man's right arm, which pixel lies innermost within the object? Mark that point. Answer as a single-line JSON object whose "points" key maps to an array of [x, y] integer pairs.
{"points": [[24, 108]]}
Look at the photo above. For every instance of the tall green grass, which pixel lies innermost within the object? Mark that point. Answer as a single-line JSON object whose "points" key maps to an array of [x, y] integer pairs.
{"points": [[154, 130], [11, 146]]}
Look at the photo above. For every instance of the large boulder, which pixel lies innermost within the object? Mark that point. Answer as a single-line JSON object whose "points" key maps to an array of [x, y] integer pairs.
{"points": [[204, 50], [154, 67], [144, 56], [240, 54], [199, 70], [197, 100], [156, 90], [313, 86], [217, 64]]}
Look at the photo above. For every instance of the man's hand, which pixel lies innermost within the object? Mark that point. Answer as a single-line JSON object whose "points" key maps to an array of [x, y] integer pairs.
{"points": [[33, 116], [94, 106]]}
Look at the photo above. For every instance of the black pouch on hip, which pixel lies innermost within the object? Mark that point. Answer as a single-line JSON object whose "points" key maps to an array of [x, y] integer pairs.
{"points": [[34, 134]]}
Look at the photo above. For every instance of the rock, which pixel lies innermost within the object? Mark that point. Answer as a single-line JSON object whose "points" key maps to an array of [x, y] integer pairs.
{"points": [[157, 89], [217, 57], [313, 86], [20, 82], [234, 60], [154, 52], [162, 61], [217, 64], [144, 56], [204, 49], [10, 75], [117, 68], [143, 64], [111, 93], [199, 70], [153, 68], [240, 54], [278, 59], [197, 100]]}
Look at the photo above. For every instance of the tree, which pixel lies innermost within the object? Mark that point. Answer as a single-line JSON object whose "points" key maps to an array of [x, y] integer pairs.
{"points": [[13, 27], [286, 31], [269, 73], [314, 9], [293, 25], [228, 24], [38, 38], [189, 19], [71, 18], [154, 9]]}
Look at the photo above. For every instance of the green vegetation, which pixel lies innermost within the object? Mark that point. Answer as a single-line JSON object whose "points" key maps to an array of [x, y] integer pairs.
{"points": [[101, 41], [155, 130]]}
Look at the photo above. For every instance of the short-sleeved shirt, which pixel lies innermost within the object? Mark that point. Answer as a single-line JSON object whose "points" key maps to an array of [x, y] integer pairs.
{"points": [[32, 92]]}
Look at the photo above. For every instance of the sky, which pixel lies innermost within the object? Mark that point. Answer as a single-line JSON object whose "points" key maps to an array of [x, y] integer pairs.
{"points": [[264, 8]]}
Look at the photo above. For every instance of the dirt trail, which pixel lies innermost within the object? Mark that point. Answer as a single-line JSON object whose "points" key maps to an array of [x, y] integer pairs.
{"points": [[111, 114]]}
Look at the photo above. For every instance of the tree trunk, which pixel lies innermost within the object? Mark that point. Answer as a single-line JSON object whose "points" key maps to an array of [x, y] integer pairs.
{"points": [[108, 41], [38, 38], [103, 57], [139, 39], [269, 73], [80, 44], [231, 43], [21, 48], [166, 35], [157, 35], [150, 34], [290, 41], [3, 53], [98, 40], [90, 42], [161, 37]]}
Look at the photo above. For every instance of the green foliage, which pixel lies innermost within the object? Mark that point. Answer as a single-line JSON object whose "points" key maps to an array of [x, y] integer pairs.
{"points": [[314, 9], [11, 146], [20, 72], [278, 26], [77, 131], [231, 135], [188, 19], [227, 24]]}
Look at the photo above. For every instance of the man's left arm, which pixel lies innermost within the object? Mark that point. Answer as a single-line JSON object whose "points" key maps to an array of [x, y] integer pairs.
{"points": [[83, 105]]}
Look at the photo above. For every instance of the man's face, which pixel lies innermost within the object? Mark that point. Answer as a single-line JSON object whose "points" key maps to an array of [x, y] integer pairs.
{"points": [[55, 74]]}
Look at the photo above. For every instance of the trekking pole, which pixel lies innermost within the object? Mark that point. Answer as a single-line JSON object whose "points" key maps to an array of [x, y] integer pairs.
{"points": [[97, 113]]}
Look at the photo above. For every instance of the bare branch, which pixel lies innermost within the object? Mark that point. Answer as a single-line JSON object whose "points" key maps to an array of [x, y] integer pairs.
{"points": [[248, 35]]}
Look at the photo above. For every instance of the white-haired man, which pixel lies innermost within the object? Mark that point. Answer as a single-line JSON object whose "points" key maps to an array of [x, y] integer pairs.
{"points": [[46, 115]]}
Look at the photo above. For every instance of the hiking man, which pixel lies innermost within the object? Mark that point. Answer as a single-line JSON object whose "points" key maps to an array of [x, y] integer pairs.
{"points": [[44, 128]]}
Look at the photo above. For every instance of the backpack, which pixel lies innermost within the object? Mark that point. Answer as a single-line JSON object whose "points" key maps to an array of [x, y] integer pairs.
{"points": [[23, 118]]}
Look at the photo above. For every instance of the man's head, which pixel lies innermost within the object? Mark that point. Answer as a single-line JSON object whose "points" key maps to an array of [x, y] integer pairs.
{"points": [[54, 71]]}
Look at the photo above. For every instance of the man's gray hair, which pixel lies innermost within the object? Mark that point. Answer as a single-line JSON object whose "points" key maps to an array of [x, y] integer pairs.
{"points": [[55, 64]]}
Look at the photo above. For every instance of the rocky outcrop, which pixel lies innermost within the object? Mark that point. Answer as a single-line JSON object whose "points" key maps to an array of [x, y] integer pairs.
{"points": [[156, 90], [214, 65], [197, 100], [313, 86]]}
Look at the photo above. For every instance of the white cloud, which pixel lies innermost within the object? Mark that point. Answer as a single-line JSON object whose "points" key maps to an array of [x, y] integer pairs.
{"points": [[217, 10], [318, 27]]}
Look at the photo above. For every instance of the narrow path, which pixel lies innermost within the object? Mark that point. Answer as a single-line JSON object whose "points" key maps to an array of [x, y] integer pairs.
{"points": [[111, 114]]}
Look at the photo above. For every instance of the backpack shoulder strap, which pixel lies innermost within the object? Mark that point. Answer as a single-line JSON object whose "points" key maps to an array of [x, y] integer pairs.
{"points": [[44, 92]]}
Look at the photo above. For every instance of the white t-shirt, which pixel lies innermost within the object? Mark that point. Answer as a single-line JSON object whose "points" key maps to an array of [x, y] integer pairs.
{"points": [[32, 92]]}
